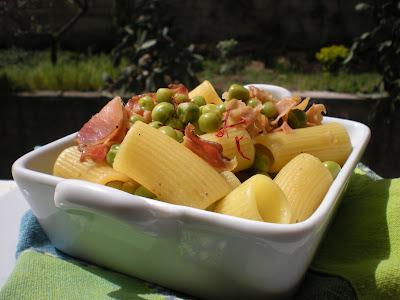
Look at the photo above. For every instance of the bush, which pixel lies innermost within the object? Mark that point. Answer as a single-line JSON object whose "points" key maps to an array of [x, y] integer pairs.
{"points": [[153, 57], [332, 57], [228, 63], [381, 45]]}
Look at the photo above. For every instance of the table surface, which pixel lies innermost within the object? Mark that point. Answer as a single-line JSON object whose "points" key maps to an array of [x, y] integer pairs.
{"points": [[12, 208]]}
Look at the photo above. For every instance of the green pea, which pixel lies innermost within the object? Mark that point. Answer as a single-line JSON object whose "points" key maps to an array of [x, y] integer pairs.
{"points": [[179, 136], [135, 118], [297, 118], [155, 124], [237, 91], [164, 95], [209, 122], [162, 112], [175, 123], [167, 130], [253, 102], [111, 154], [199, 100], [197, 128], [262, 161], [222, 108], [188, 112], [333, 167], [143, 192], [210, 108], [146, 103], [180, 98], [269, 110]]}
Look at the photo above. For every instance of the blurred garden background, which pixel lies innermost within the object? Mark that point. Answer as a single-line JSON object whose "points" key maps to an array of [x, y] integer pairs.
{"points": [[60, 61]]}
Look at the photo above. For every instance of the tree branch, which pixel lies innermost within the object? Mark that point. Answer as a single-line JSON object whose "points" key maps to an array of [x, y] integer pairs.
{"points": [[83, 8]]}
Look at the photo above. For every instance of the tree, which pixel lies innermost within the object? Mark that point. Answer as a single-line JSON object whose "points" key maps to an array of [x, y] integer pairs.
{"points": [[26, 23]]}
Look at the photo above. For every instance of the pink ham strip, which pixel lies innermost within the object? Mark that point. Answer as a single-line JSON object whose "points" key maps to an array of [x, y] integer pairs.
{"points": [[105, 128], [314, 114], [211, 152]]}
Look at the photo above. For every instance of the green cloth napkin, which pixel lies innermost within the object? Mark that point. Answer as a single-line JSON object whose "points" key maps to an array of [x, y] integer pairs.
{"points": [[363, 243], [360, 252], [42, 276]]}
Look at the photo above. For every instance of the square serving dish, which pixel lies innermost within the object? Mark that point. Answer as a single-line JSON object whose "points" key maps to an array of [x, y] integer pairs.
{"points": [[197, 252]]}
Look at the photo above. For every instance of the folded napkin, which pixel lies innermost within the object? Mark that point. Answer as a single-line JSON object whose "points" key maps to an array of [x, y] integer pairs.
{"points": [[359, 256], [363, 244]]}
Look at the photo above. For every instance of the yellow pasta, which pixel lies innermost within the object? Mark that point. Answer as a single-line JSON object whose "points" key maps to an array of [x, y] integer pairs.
{"points": [[68, 165], [230, 148], [258, 198], [168, 169], [231, 179], [327, 142], [206, 90], [305, 181]]}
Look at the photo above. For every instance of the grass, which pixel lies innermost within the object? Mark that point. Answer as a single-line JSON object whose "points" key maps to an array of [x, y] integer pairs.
{"points": [[32, 71], [72, 72], [344, 82]]}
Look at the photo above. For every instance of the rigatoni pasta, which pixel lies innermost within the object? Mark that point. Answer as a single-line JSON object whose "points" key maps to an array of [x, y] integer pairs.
{"points": [[206, 90], [305, 181], [258, 198], [180, 177], [327, 142], [236, 142], [68, 165], [231, 179]]}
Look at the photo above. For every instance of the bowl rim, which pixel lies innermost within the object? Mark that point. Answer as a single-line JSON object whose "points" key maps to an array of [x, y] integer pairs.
{"points": [[271, 88]]}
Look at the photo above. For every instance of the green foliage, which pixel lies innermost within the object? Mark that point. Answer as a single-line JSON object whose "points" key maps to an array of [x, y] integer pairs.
{"points": [[332, 57], [34, 71], [228, 62], [226, 47], [341, 81], [381, 45], [154, 58], [22, 70]]}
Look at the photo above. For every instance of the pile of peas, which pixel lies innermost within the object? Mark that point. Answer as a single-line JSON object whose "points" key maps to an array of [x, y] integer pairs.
{"points": [[171, 119]]}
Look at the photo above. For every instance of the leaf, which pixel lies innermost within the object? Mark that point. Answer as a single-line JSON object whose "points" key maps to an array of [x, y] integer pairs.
{"points": [[365, 35], [362, 6], [384, 45], [128, 30], [148, 44]]}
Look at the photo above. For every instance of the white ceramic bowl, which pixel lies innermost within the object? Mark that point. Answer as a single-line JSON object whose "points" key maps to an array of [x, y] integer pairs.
{"points": [[198, 252]]}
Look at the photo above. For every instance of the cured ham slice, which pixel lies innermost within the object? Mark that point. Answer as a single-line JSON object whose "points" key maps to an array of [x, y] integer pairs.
{"points": [[178, 88], [314, 114], [261, 95], [283, 107], [284, 127], [209, 151], [133, 106], [105, 128]]}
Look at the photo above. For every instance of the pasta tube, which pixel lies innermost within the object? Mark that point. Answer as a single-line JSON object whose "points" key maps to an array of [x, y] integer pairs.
{"points": [[206, 90], [68, 165], [305, 181], [234, 141], [168, 169], [231, 179], [327, 142], [258, 198]]}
